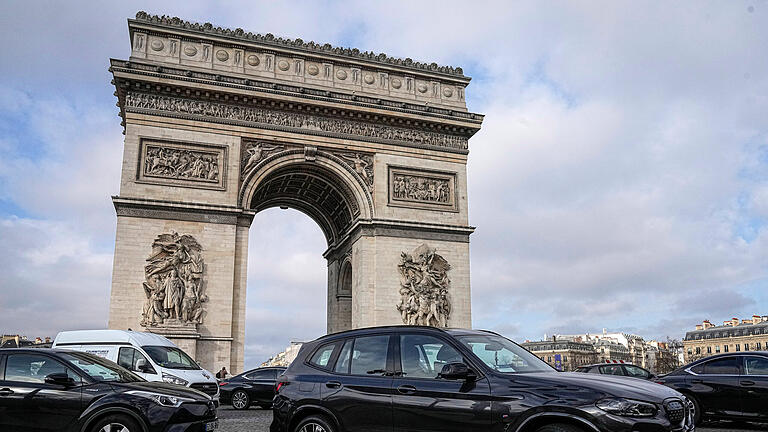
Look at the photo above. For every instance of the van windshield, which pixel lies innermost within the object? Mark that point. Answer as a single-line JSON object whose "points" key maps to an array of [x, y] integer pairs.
{"points": [[170, 357], [100, 369], [503, 355]]}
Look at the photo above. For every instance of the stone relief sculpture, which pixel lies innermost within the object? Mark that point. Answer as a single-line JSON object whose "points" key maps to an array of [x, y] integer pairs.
{"points": [[418, 188], [253, 154], [177, 163], [363, 166], [174, 282], [424, 288], [143, 101]]}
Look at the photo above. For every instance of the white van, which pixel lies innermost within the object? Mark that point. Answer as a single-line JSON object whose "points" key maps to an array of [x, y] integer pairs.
{"points": [[151, 356]]}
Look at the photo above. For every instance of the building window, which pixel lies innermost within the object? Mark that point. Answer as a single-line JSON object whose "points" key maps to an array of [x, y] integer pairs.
{"points": [[565, 358], [725, 348], [698, 350], [709, 350], [717, 348], [690, 351], [738, 347], [757, 347], [549, 359]]}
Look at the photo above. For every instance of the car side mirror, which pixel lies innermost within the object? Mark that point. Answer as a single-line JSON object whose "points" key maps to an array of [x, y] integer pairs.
{"points": [[60, 378], [457, 371], [142, 366]]}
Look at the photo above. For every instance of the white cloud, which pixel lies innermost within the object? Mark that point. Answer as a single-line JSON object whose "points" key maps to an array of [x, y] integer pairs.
{"points": [[619, 175]]}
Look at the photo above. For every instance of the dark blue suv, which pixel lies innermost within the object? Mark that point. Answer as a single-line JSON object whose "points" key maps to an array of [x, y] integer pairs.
{"points": [[406, 378]]}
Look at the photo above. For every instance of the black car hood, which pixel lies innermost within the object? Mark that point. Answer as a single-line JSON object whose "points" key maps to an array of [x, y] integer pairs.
{"points": [[625, 387], [164, 388]]}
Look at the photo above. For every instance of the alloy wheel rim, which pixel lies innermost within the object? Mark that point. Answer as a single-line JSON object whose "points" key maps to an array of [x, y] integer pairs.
{"points": [[313, 427], [238, 400], [114, 427]]}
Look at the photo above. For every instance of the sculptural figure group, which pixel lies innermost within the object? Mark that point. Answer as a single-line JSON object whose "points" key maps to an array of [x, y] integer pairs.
{"points": [[174, 280], [424, 287], [181, 163]]}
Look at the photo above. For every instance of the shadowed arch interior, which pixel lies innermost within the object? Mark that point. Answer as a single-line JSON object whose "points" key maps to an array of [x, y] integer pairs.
{"points": [[313, 190]]}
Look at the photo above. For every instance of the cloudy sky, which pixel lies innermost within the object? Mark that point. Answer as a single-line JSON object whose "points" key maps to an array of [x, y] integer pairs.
{"points": [[620, 179]]}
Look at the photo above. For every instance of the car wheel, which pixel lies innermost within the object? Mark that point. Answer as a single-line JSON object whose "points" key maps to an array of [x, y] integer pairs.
{"points": [[314, 424], [240, 400], [116, 423], [559, 427], [696, 410]]}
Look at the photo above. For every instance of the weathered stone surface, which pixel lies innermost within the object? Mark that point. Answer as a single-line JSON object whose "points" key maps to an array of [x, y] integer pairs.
{"points": [[374, 149]]}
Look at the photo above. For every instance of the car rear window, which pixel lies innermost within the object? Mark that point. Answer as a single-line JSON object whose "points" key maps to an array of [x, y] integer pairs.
{"points": [[322, 355]]}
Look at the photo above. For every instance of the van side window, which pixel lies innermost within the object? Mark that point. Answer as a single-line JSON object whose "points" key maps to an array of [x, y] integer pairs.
{"points": [[128, 358]]}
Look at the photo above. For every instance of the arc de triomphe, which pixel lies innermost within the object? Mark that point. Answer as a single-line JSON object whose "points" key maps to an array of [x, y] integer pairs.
{"points": [[221, 124]]}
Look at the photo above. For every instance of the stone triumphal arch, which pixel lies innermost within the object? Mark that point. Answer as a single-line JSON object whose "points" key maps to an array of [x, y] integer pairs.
{"points": [[221, 124]]}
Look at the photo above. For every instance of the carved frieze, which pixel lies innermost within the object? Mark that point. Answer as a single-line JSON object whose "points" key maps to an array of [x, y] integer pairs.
{"points": [[179, 163], [270, 118], [174, 282], [424, 285], [422, 189]]}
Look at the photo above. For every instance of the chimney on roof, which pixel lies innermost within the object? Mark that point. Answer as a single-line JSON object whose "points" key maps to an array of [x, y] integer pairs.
{"points": [[706, 324], [734, 322], [699, 327], [756, 319], [727, 323]]}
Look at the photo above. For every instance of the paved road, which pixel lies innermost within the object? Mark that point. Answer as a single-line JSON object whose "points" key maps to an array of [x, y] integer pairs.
{"points": [[258, 420]]}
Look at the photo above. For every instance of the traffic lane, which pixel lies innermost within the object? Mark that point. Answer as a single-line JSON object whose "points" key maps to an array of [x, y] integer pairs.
{"points": [[257, 419]]}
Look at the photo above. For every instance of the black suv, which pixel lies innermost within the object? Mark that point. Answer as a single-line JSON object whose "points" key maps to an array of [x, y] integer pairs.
{"points": [[427, 379], [726, 386], [60, 390]]}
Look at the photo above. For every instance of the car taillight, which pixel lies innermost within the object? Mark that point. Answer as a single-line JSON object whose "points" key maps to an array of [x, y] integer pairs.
{"points": [[223, 383], [279, 385]]}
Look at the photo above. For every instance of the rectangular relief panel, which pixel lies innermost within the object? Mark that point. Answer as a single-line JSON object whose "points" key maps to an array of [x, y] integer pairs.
{"points": [[426, 189], [183, 164]]}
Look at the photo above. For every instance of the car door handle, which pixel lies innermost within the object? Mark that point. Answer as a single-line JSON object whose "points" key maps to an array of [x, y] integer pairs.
{"points": [[6, 392], [747, 383], [333, 384], [406, 389]]}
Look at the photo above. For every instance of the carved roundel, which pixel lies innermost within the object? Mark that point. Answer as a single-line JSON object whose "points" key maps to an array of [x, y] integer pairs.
{"points": [[396, 83], [340, 74], [369, 79], [447, 92], [190, 51], [313, 70], [157, 45], [253, 60], [283, 65], [422, 88], [222, 55]]}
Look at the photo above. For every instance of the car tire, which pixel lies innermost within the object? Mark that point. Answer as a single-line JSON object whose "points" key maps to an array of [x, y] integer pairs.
{"points": [[559, 427], [697, 410], [116, 423], [314, 424], [240, 400]]}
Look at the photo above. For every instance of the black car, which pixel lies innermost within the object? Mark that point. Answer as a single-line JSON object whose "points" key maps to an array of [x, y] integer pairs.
{"points": [[726, 386], [617, 369], [61, 390], [423, 379], [257, 386]]}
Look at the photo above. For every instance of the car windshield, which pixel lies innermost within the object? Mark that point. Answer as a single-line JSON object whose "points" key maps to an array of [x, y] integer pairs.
{"points": [[100, 369], [170, 357], [503, 355]]}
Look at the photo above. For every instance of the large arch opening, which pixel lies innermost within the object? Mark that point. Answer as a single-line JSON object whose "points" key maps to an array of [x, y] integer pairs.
{"points": [[327, 193]]}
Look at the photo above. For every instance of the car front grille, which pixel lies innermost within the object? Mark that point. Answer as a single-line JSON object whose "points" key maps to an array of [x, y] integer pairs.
{"points": [[211, 389], [675, 409]]}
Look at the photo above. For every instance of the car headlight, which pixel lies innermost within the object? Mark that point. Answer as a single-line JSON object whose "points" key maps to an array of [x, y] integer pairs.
{"points": [[173, 379], [627, 407], [161, 399]]}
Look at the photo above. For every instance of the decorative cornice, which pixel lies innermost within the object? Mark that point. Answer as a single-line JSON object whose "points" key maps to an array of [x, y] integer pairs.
{"points": [[253, 83], [172, 210], [298, 44]]}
